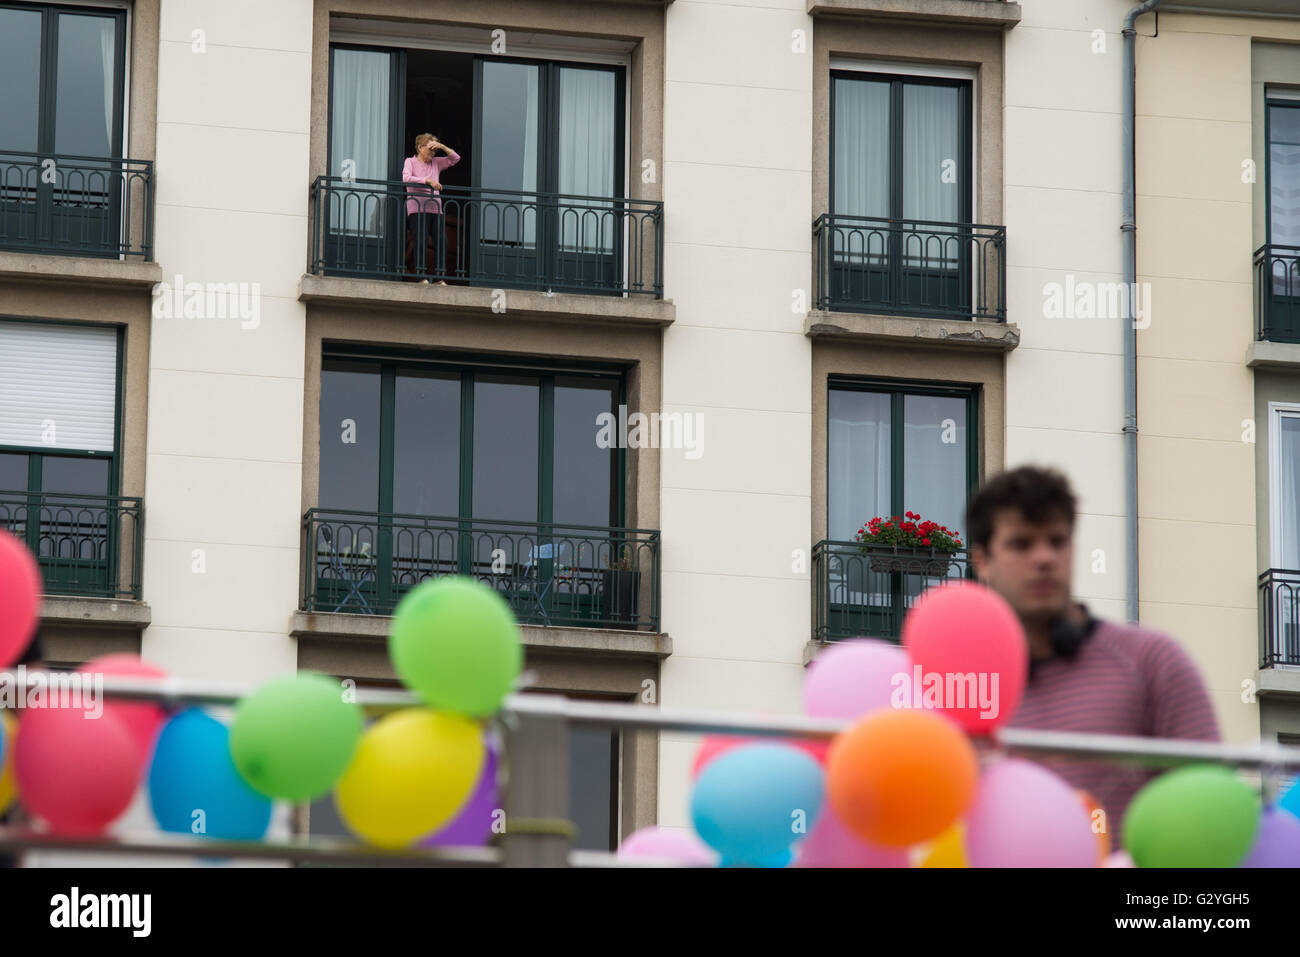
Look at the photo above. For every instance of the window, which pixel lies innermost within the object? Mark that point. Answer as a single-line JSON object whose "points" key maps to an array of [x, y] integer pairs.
{"points": [[1282, 596], [1282, 178], [59, 415]]}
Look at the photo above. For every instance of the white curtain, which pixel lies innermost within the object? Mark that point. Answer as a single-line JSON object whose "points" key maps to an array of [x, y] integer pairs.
{"points": [[933, 168], [1284, 193], [861, 176], [107, 40], [858, 461], [934, 458], [587, 147], [1289, 493], [359, 133]]}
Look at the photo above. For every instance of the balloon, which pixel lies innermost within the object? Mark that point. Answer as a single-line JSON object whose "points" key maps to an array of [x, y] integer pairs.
{"points": [[455, 642], [666, 845], [1278, 842], [412, 772], [852, 678], [1198, 816], [779, 859], [192, 772], [900, 777], [294, 736], [7, 788], [1290, 802], [78, 773], [1026, 816], [831, 844], [141, 718], [971, 652], [716, 744], [20, 598], [948, 849], [1118, 859], [472, 824], [1098, 820], [746, 802]]}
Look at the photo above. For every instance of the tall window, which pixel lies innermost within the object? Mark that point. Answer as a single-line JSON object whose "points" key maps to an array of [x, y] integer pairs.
{"points": [[1282, 126]]}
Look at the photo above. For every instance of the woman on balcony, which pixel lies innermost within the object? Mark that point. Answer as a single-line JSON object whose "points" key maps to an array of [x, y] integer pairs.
{"points": [[425, 225]]}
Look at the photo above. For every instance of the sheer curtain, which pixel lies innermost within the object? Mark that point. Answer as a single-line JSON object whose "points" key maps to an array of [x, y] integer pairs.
{"points": [[587, 148], [359, 132], [860, 183], [932, 170], [934, 458], [107, 41], [1288, 550], [1284, 192], [858, 461]]}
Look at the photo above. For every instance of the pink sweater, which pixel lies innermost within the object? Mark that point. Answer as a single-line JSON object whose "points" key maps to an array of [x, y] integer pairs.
{"points": [[417, 172]]}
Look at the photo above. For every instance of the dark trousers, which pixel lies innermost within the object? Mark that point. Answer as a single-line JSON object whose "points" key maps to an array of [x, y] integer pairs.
{"points": [[426, 243]]}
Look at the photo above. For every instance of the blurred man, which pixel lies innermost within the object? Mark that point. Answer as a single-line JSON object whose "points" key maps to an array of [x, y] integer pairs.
{"points": [[1085, 674]]}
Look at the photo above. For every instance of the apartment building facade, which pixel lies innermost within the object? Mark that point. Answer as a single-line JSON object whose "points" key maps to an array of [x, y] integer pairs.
{"points": [[710, 285]]}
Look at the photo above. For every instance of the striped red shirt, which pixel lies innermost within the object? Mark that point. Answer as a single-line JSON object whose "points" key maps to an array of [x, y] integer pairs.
{"points": [[1124, 680]]}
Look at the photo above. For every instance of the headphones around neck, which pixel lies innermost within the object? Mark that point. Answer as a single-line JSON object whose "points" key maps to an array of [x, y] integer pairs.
{"points": [[1067, 637]]}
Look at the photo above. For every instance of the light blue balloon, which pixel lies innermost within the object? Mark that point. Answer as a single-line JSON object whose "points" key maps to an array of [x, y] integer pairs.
{"points": [[782, 859], [752, 802], [192, 772], [1291, 800]]}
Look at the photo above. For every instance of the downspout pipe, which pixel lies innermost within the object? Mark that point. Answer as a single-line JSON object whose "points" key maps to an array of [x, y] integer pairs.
{"points": [[1128, 228]]}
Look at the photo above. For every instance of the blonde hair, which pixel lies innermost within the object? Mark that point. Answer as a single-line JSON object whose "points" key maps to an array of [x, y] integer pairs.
{"points": [[422, 139]]}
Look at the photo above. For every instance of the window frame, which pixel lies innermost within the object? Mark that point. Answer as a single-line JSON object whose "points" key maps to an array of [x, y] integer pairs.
{"points": [[1276, 410]]}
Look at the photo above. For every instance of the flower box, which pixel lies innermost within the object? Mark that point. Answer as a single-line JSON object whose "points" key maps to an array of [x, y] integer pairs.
{"points": [[930, 562]]}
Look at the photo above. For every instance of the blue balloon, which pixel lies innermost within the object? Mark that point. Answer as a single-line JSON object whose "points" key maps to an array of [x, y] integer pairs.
{"points": [[194, 787], [782, 859], [752, 802], [1291, 800]]}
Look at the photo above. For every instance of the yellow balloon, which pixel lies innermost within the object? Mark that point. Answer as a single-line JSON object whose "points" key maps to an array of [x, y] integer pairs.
{"points": [[948, 849], [410, 775], [8, 790]]}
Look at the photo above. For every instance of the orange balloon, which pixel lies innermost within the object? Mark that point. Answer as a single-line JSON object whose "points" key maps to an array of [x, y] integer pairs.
{"points": [[1097, 815], [900, 777]]}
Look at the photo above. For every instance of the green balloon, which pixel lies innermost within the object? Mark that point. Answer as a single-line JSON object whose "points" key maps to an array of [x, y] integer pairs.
{"points": [[1198, 816], [294, 736], [455, 643]]}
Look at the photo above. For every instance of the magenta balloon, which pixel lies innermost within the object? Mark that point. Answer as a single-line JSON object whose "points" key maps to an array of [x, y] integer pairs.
{"points": [[663, 844], [142, 719], [20, 597], [852, 678], [1026, 816], [831, 844], [76, 773], [472, 824], [1277, 844]]}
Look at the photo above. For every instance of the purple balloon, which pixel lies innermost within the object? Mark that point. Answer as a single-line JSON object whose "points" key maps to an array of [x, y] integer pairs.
{"points": [[831, 844], [472, 824], [1026, 816], [663, 844], [1277, 844], [853, 678]]}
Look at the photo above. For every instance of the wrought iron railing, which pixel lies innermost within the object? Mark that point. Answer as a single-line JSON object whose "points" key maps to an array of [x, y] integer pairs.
{"points": [[68, 205], [911, 267], [866, 594], [1277, 293], [571, 575], [88, 546], [487, 237], [1279, 617]]}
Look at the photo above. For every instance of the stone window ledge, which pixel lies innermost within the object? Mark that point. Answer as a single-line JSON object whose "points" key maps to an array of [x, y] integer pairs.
{"points": [[72, 270], [992, 13], [912, 331]]}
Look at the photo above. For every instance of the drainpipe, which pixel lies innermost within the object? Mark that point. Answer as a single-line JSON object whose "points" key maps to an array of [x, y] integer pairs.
{"points": [[1129, 230]]}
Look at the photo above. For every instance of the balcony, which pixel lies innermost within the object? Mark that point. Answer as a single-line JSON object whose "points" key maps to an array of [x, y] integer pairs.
{"points": [[87, 546], [493, 238], [1277, 294], [569, 576], [856, 595], [1279, 618], [84, 206], [917, 268]]}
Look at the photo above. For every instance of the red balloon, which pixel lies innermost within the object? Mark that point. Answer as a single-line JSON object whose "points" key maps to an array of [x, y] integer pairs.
{"points": [[717, 744], [20, 598], [971, 653], [76, 772], [140, 718]]}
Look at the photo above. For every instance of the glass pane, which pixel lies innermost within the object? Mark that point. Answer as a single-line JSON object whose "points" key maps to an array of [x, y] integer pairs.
{"points": [[858, 461], [426, 453], [349, 436], [87, 57], [508, 152], [80, 476], [20, 79], [13, 478], [506, 448], [592, 787], [1284, 182], [861, 162], [13, 471], [934, 459], [588, 139], [934, 166], [1287, 551], [583, 484], [359, 141]]}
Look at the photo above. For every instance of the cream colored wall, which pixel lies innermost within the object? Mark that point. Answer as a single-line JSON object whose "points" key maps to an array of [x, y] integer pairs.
{"points": [[225, 403], [738, 194]]}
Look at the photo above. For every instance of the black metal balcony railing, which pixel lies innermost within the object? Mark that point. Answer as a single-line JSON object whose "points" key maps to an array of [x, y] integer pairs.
{"points": [[860, 595], [572, 575], [911, 267], [87, 546], [1279, 617], [68, 205], [489, 237], [1277, 293]]}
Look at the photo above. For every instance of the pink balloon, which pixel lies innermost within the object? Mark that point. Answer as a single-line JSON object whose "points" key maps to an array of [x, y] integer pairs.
{"points": [[1026, 816], [20, 598], [76, 772], [968, 644], [661, 843], [717, 744], [140, 718], [831, 844], [852, 678], [1118, 859]]}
